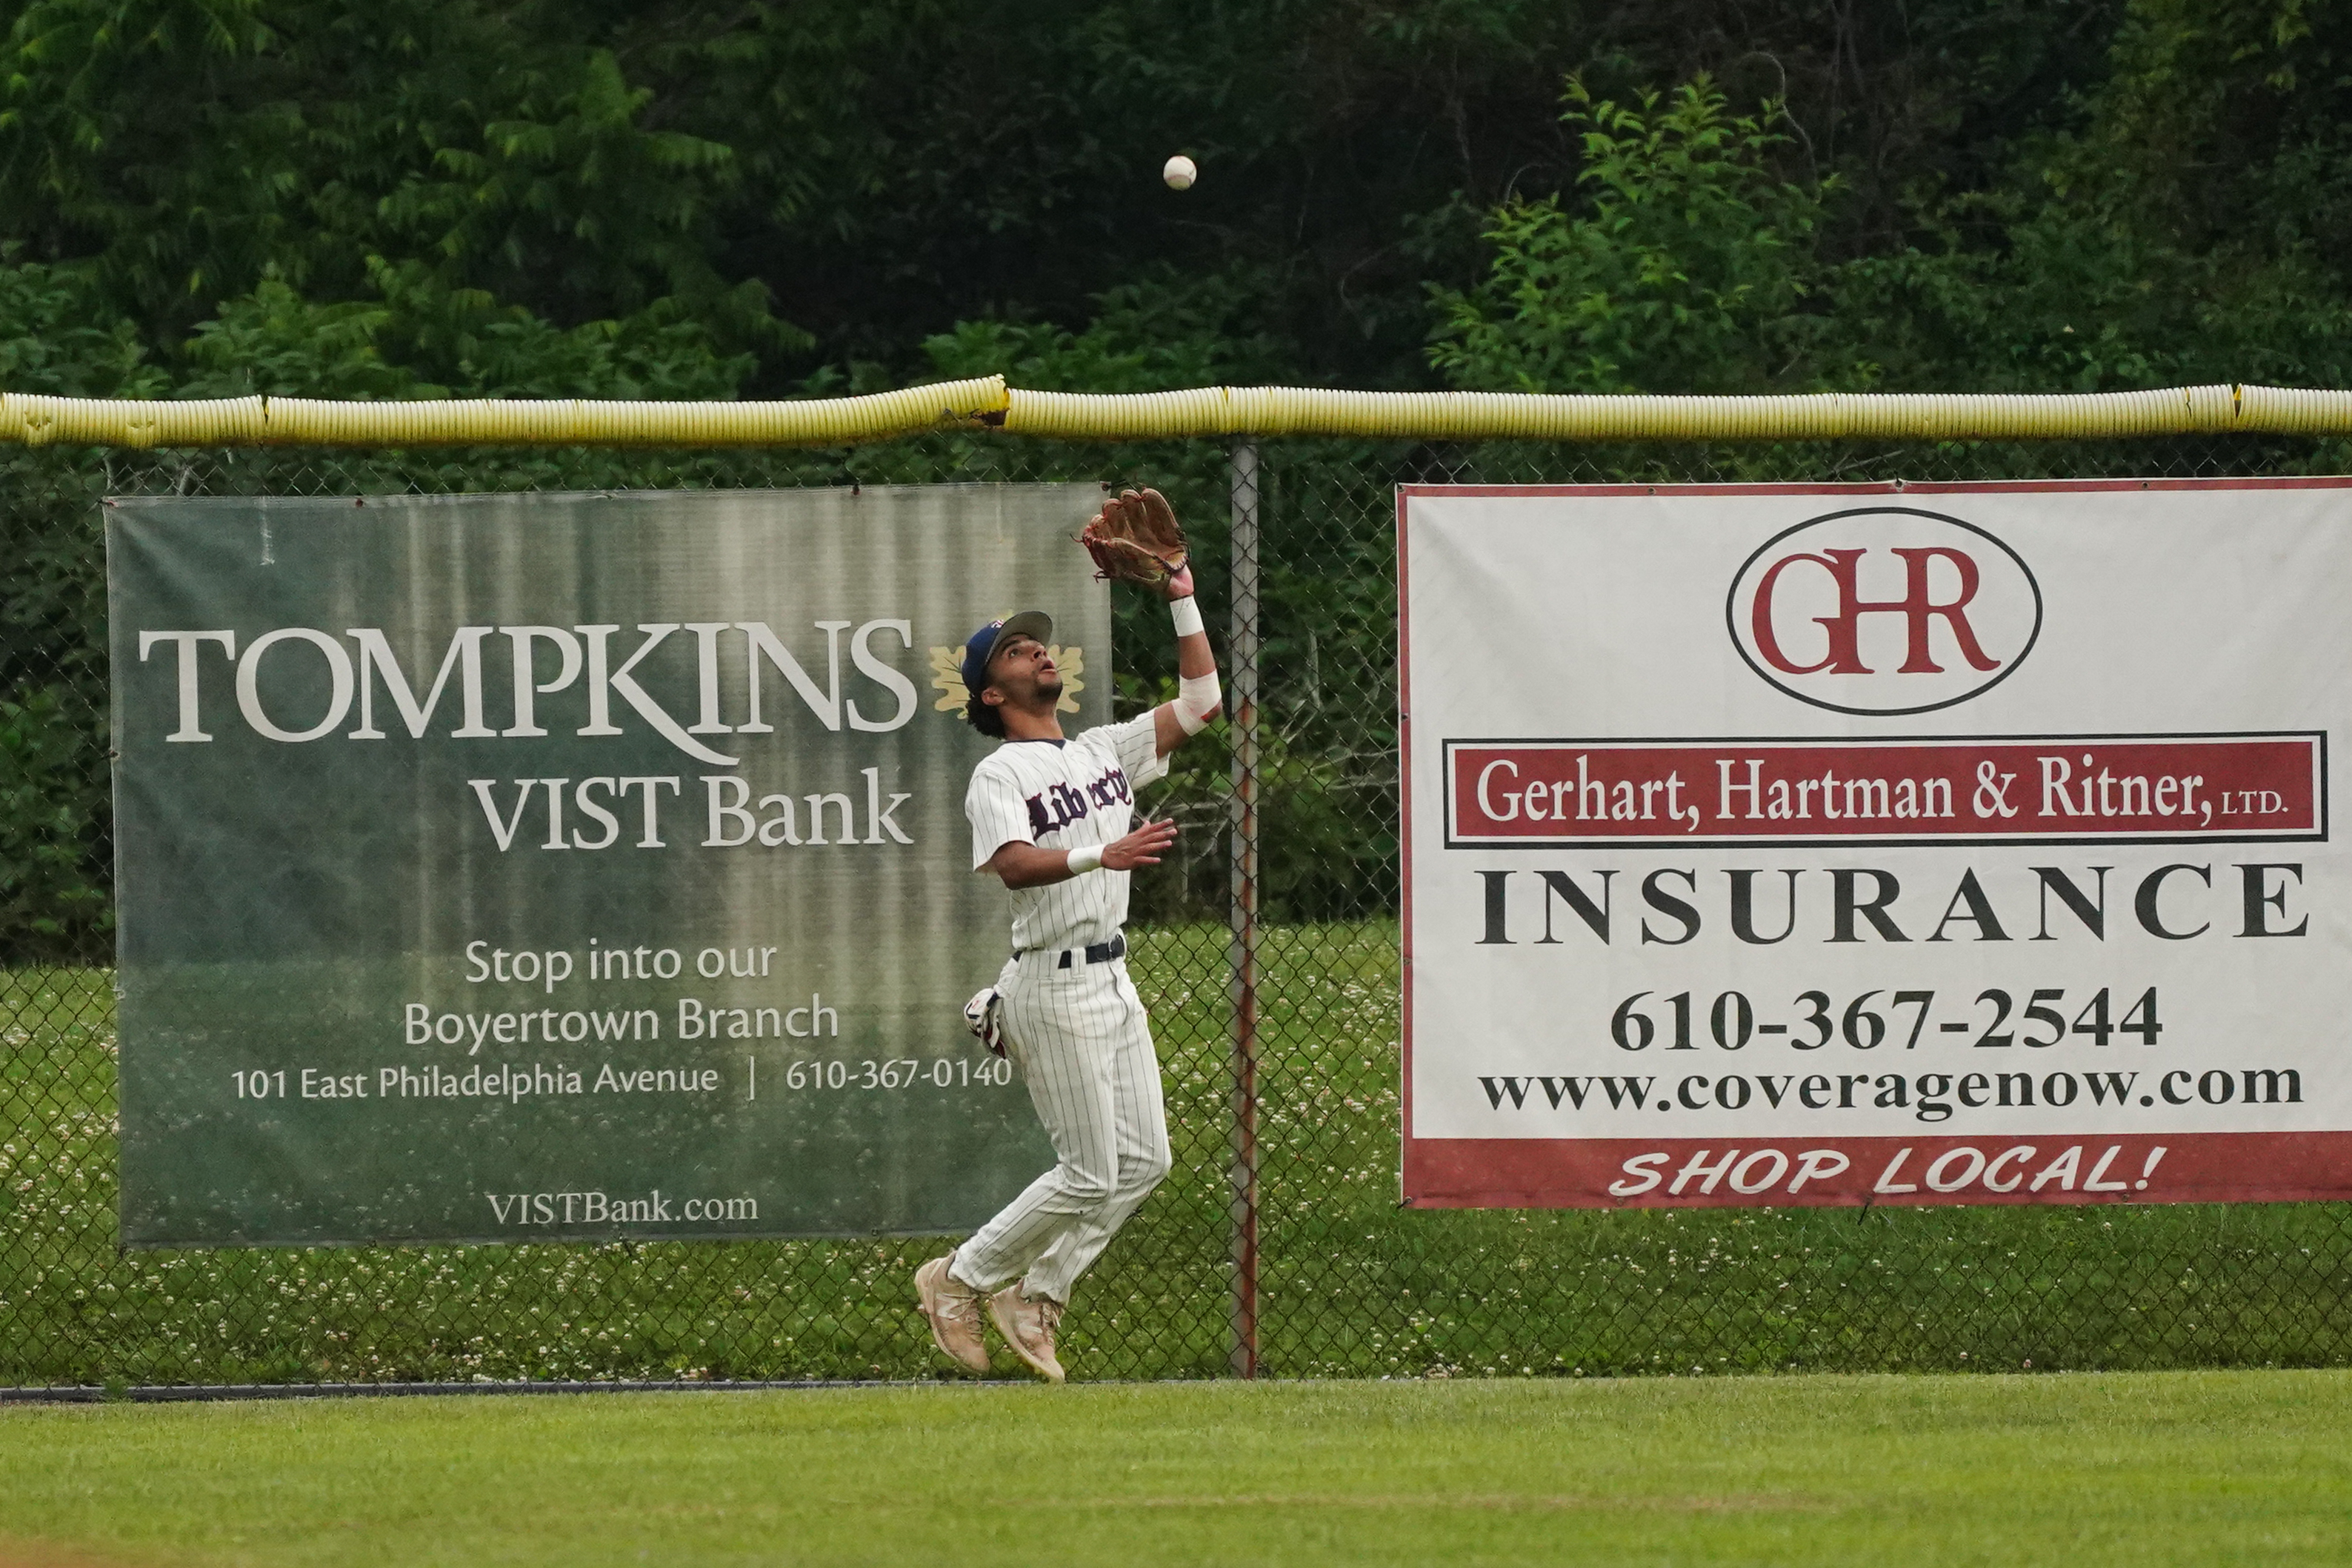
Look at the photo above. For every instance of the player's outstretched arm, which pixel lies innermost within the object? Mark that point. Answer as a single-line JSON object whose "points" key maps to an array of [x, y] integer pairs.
{"points": [[1026, 865], [1136, 538], [1198, 699]]}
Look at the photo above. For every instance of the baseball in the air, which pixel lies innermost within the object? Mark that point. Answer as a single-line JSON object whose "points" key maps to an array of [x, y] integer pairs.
{"points": [[1180, 173]]}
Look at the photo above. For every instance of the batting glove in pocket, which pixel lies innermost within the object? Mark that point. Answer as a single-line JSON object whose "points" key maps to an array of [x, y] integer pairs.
{"points": [[984, 1016]]}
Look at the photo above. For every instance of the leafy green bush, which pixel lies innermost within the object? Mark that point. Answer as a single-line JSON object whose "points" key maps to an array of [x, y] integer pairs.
{"points": [[1686, 272], [56, 901]]}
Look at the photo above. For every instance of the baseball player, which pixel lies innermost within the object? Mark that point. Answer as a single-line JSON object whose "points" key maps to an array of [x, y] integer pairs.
{"points": [[1053, 816]]}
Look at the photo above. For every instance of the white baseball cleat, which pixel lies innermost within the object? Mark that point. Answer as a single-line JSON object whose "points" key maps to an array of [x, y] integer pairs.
{"points": [[953, 1308], [1028, 1323]]}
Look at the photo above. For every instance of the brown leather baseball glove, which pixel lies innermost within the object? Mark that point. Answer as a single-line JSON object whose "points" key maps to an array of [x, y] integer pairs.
{"points": [[1135, 538]]}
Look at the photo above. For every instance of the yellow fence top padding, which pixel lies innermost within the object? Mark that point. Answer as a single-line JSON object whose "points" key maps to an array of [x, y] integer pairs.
{"points": [[1468, 416], [502, 421], [987, 404]]}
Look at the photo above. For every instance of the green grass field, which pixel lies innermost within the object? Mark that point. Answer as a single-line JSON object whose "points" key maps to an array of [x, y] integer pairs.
{"points": [[1352, 1286], [2122, 1468]]}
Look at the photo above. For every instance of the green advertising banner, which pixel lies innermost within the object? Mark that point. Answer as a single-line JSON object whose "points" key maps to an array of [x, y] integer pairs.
{"points": [[521, 867]]}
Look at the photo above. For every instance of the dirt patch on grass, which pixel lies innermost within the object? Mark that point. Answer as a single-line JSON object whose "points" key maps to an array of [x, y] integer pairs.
{"points": [[1500, 1503], [15, 1552]]}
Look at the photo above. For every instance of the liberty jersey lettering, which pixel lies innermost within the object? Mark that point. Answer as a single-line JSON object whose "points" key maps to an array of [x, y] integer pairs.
{"points": [[1064, 797]]}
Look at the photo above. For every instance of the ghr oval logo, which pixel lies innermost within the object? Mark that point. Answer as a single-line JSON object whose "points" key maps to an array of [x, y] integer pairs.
{"points": [[1884, 610]]}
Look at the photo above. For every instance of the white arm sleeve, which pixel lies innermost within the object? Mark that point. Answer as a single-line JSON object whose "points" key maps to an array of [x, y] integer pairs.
{"points": [[999, 815], [1197, 697]]}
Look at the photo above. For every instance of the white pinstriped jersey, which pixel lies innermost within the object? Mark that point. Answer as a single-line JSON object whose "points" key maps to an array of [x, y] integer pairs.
{"points": [[1064, 796]]}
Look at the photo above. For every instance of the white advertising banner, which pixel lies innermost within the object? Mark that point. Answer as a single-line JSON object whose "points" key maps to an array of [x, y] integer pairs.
{"points": [[1839, 844]]}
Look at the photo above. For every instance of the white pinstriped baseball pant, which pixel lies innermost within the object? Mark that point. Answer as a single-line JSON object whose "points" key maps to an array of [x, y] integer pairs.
{"points": [[1083, 1046]]}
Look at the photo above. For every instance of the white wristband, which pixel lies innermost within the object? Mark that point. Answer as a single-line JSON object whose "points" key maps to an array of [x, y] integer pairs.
{"points": [[1186, 613], [1086, 859]]}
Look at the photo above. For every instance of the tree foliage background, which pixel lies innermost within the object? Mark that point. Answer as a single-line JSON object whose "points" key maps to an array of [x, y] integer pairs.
{"points": [[679, 198], [777, 198]]}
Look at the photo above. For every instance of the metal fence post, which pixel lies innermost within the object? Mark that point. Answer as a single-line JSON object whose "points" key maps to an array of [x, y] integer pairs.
{"points": [[1242, 661]]}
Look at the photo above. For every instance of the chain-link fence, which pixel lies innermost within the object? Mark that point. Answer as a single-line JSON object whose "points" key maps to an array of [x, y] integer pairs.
{"points": [[1267, 949]]}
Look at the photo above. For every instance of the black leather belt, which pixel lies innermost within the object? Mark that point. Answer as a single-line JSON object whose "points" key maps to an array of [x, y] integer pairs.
{"points": [[1097, 952]]}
